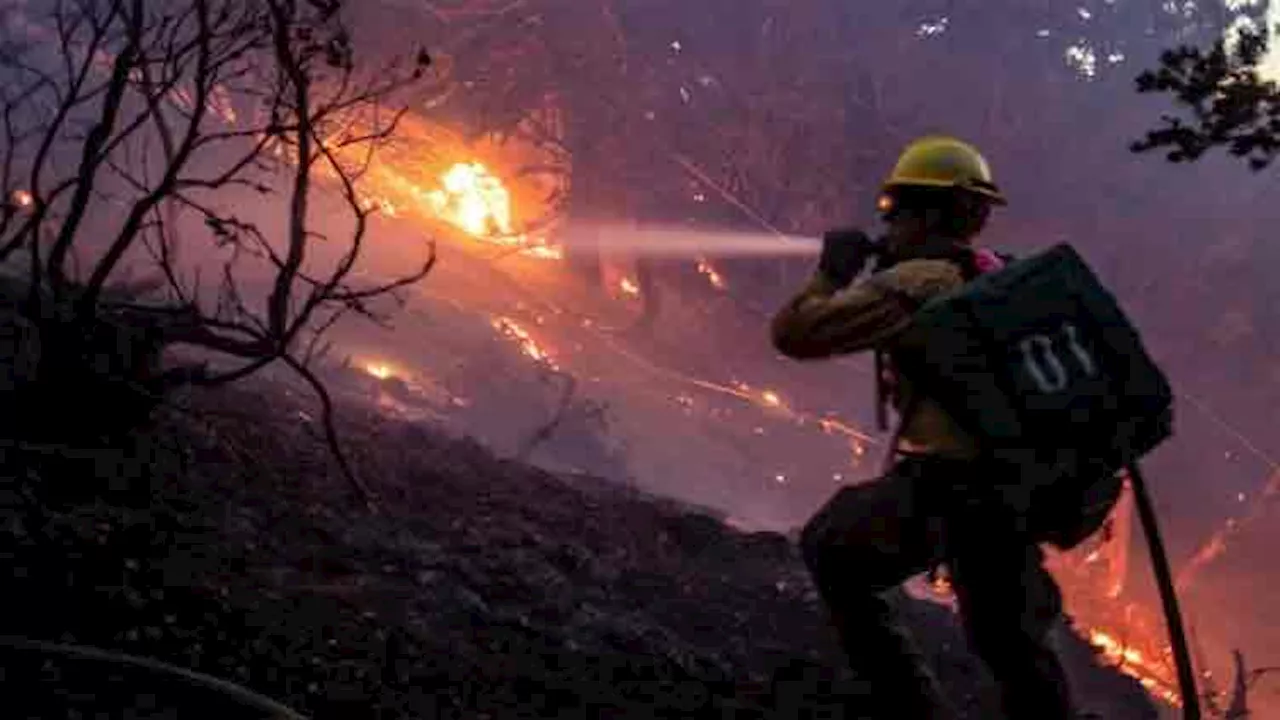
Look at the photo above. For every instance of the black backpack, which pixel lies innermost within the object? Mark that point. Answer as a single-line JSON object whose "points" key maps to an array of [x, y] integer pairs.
{"points": [[1039, 363]]}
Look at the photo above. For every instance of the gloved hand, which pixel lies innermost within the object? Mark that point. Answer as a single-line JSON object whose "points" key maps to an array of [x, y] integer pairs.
{"points": [[844, 253]]}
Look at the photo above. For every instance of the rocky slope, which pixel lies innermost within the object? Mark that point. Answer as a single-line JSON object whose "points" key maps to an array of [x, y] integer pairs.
{"points": [[225, 542]]}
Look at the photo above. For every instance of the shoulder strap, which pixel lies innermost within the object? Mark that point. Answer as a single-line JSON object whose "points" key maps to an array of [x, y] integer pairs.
{"points": [[968, 267]]}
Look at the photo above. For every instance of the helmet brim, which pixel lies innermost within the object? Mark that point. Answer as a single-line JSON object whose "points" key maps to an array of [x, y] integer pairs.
{"points": [[989, 191]]}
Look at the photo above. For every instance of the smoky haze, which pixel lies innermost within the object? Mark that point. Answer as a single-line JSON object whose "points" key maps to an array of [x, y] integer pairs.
{"points": [[708, 143]]}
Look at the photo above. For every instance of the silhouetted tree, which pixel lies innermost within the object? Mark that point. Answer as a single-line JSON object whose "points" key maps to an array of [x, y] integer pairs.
{"points": [[128, 131], [1228, 103]]}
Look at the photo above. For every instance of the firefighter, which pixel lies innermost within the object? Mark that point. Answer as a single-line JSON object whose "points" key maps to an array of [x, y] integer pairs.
{"points": [[938, 502]]}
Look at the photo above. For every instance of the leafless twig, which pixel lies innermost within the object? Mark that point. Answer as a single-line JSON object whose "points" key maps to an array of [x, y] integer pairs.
{"points": [[124, 126]]}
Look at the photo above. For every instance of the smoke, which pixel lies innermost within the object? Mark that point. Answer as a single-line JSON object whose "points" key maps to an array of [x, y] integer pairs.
{"points": [[659, 241]]}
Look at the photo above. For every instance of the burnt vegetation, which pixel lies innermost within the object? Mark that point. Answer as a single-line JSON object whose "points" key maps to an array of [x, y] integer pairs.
{"points": [[130, 129]]}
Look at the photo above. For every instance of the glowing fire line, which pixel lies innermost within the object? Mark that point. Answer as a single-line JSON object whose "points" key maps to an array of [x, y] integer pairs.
{"points": [[528, 345], [1154, 678]]}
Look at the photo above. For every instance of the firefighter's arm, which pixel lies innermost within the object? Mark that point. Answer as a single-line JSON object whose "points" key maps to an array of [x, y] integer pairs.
{"points": [[823, 320]]}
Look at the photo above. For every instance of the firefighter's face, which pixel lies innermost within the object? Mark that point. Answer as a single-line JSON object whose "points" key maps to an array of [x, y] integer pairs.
{"points": [[957, 215], [972, 212]]}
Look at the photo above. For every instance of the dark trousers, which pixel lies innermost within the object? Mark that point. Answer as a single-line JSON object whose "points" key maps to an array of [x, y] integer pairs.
{"points": [[870, 538]]}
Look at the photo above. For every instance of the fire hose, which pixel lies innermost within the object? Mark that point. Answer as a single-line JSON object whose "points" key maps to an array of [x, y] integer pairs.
{"points": [[240, 696], [1168, 595]]}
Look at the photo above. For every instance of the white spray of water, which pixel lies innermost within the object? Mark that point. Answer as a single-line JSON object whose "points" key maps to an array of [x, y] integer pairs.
{"points": [[676, 242]]}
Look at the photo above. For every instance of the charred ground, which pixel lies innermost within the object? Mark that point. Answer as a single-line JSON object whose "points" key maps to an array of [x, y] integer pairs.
{"points": [[222, 540]]}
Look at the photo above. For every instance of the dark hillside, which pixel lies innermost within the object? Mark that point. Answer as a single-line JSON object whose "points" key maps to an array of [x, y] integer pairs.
{"points": [[487, 588]]}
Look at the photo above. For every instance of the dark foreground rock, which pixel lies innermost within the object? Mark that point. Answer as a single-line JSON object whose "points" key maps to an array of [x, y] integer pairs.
{"points": [[486, 588]]}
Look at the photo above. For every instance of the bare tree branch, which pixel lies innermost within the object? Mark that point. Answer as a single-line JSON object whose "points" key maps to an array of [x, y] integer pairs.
{"points": [[91, 154], [130, 124]]}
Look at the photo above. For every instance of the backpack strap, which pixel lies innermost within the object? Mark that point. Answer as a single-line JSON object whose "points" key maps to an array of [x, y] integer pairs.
{"points": [[969, 270]]}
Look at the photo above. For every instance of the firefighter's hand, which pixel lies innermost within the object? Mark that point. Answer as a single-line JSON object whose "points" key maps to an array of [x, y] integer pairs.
{"points": [[844, 253]]}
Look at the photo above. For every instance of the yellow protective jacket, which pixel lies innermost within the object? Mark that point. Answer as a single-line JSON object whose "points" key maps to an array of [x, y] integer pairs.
{"points": [[872, 313]]}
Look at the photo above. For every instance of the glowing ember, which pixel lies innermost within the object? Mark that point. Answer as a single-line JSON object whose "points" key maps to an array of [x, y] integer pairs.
{"points": [[713, 277], [530, 347], [629, 287], [23, 199], [771, 398]]}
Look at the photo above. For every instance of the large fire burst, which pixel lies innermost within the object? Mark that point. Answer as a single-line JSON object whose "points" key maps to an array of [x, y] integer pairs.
{"points": [[433, 174]]}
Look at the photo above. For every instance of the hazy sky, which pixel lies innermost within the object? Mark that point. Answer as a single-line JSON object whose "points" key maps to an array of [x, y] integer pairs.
{"points": [[1270, 67]]}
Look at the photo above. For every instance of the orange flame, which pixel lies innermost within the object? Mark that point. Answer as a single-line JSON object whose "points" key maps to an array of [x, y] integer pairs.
{"points": [[474, 200], [429, 172], [469, 197], [1153, 675], [381, 371]]}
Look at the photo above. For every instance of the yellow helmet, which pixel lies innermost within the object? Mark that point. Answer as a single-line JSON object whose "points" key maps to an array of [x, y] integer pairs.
{"points": [[942, 161]]}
